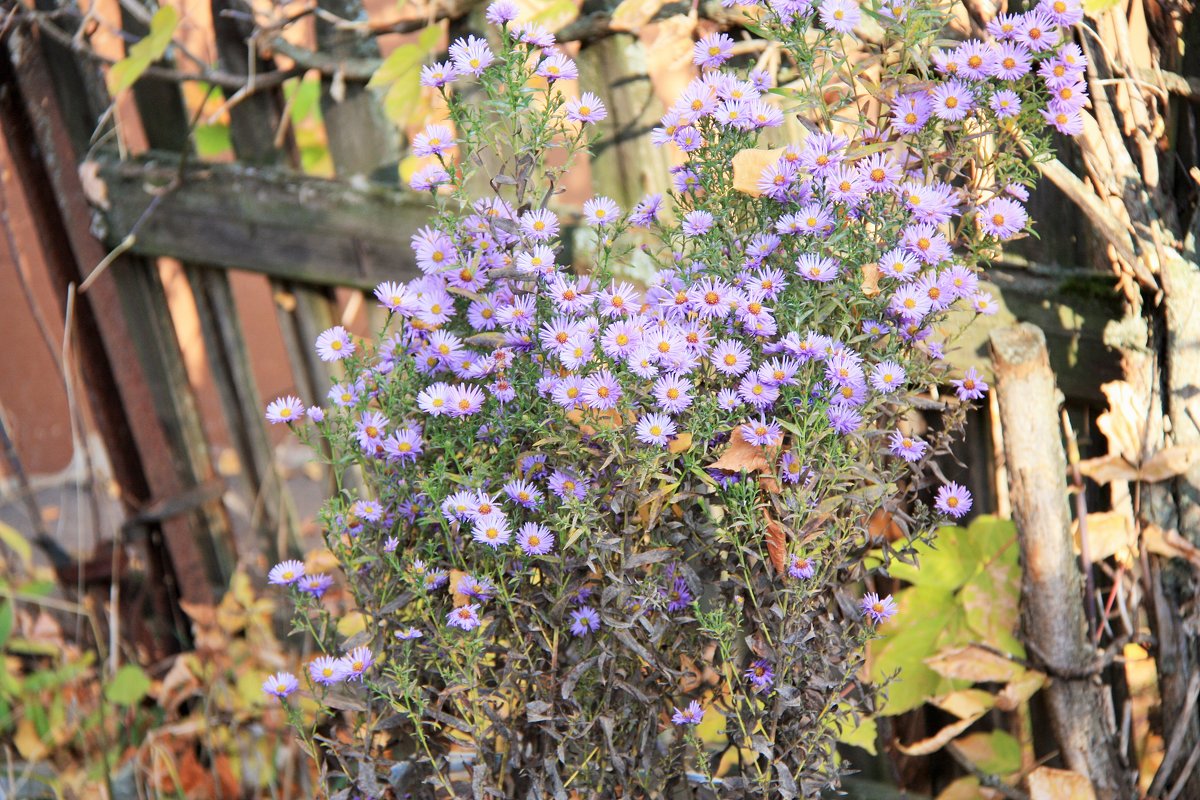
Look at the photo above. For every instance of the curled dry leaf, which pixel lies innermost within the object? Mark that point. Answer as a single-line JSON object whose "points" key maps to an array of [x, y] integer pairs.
{"points": [[1170, 544], [776, 543], [1019, 690], [1169, 462], [973, 663], [870, 281], [966, 703], [1109, 533], [940, 739], [1106, 469], [741, 456], [1046, 783], [748, 167], [1123, 422], [680, 443]]}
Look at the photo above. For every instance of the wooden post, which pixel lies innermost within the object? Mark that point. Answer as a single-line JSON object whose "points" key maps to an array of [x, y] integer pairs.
{"points": [[1053, 623]]}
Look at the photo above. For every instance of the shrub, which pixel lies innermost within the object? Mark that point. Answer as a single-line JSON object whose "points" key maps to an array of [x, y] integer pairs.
{"points": [[607, 537]]}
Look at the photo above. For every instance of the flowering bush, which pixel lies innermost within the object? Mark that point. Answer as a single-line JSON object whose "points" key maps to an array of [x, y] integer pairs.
{"points": [[593, 519]]}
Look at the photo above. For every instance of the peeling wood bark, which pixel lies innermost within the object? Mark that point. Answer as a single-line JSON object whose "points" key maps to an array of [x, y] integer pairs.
{"points": [[1053, 622]]}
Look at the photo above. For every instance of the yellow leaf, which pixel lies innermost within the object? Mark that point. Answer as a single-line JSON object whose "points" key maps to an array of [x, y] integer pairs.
{"points": [[125, 72], [965, 702], [28, 743], [631, 15], [748, 167], [1169, 462], [1019, 690], [1046, 783], [1109, 468], [1170, 544], [965, 788], [862, 735], [17, 543], [939, 740], [973, 663], [680, 443], [870, 281], [352, 624], [1109, 533]]}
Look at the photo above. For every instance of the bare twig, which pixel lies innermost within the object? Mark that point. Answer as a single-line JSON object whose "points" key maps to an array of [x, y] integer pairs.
{"points": [[1177, 736]]}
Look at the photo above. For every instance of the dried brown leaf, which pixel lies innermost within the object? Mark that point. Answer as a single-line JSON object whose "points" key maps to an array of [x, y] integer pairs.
{"points": [[1109, 468], [1109, 533], [741, 455], [965, 703], [1020, 690], [973, 663], [1170, 544], [748, 167], [1169, 462], [870, 281], [1047, 783], [680, 443], [939, 740]]}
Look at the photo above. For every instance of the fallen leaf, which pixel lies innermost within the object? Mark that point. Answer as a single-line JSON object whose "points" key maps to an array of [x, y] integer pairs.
{"points": [[1170, 544], [973, 663], [460, 599], [965, 703], [939, 740], [870, 281], [748, 167], [631, 15], [1123, 422], [28, 743], [1106, 469], [1046, 783], [776, 543], [680, 443], [1019, 690], [1169, 462], [741, 455], [1109, 533]]}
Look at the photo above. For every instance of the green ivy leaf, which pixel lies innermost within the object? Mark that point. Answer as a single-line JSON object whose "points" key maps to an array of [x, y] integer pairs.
{"points": [[128, 686], [863, 735], [927, 616], [399, 76], [125, 72], [945, 563], [6, 623]]}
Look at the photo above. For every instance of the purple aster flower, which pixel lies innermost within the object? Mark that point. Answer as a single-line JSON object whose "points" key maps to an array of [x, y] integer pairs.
{"points": [[926, 243], [357, 662], [673, 393], [817, 268], [316, 414], [586, 108], [436, 580], [839, 15], [557, 67], [601, 211], [880, 171], [953, 500], [712, 50], [327, 670], [286, 573], [502, 12], [315, 585], [465, 400], [687, 138], [697, 223], [281, 684], [1066, 122], [409, 634], [1012, 62], [876, 609], [535, 35], [692, 715], [335, 344], [433, 141], [601, 390], [523, 493], [844, 419], [1005, 103], [285, 409], [404, 445], [477, 588], [910, 448], [491, 530], [762, 433], [897, 263], [970, 387], [584, 620], [539, 225], [646, 211], [910, 112], [728, 400], [757, 392], [801, 568], [952, 100], [464, 617], [1038, 31], [976, 60], [760, 675], [471, 55], [1004, 26], [438, 74], [677, 595], [1002, 217], [790, 467], [887, 376], [656, 429], [567, 485], [535, 539], [390, 544], [367, 510], [1065, 12]]}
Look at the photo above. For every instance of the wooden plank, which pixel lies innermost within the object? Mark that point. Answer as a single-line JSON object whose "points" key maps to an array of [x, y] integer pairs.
{"points": [[116, 381], [266, 220]]}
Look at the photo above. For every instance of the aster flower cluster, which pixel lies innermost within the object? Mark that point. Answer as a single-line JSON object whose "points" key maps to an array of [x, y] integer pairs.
{"points": [[568, 479]]}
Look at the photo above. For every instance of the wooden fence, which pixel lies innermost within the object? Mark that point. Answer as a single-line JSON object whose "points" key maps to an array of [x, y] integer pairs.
{"points": [[307, 235]]}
